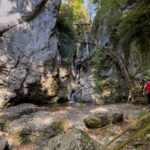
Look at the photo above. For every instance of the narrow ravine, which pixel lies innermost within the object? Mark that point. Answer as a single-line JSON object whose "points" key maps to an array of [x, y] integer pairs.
{"points": [[74, 75]]}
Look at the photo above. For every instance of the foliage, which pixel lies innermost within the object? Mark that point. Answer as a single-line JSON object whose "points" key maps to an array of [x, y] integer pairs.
{"points": [[66, 39], [128, 24], [79, 12], [71, 11], [146, 75], [98, 62], [1, 107], [96, 58], [135, 22], [20, 140]]}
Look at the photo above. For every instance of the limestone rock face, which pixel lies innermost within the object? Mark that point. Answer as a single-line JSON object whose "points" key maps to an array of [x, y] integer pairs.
{"points": [[29, 54], [72, 140], [88, 85]]}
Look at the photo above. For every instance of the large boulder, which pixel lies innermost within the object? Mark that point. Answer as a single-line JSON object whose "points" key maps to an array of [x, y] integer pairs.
{"points": [[72, 140], [29, 56], [36, 126], [96, 121], [7, 115], [100, 119], [15, 112], [39, 124]]}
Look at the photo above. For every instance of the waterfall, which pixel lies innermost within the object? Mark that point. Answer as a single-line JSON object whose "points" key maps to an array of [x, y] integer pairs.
{"points": [[74, 96], [79, 52], [83, 47], [82, 52], [86, 49]]}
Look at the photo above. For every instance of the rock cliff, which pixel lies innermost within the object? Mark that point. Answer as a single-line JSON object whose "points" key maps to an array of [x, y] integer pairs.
{"points": [[29, 55], [126, 28]]}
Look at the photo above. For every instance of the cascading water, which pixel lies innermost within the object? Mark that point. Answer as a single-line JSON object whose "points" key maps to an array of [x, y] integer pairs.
{"points": [[82, 52], [74, 96], [83, 47], [86, 50]]}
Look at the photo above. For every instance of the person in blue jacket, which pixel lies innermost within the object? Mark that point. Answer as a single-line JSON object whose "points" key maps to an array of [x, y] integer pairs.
{"points": [[106, 42]]}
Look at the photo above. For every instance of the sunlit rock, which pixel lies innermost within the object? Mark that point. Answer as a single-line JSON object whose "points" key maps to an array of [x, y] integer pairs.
{"points": [[29, 55], [72, 140], [103, 118]]}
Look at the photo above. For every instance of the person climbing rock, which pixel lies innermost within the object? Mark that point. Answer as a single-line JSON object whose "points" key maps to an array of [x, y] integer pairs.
{"points": [[147, 90]]}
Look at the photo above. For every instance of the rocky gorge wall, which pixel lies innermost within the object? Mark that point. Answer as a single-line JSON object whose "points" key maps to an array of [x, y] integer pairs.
{"points": [[125, 25], [30, 63]]}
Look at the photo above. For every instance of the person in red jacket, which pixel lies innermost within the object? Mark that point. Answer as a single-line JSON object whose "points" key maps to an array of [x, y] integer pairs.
{"points": [[147, 89]]}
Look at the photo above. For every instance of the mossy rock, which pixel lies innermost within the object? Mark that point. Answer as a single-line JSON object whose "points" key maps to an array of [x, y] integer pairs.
{"points": [[20, 139], [72, 140], [101, 119], [62, 125], [96, 122]]}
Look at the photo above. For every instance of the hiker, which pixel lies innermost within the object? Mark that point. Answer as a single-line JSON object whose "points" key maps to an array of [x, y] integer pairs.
{"points": [[106, 42], [147, 90]]}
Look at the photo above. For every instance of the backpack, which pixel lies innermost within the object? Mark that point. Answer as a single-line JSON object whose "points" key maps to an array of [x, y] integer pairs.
{"points": [[147, 87]]}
